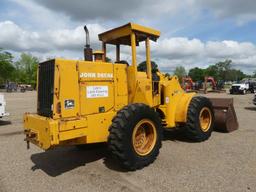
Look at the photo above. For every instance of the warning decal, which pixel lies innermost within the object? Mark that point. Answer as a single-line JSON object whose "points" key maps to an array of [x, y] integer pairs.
{"points": [[96, 91]]}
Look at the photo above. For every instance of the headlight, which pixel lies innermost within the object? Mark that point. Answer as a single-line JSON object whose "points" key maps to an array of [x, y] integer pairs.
{"points": [[241, 88]]}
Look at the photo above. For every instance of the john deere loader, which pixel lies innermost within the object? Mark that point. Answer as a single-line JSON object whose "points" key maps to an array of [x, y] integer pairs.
{"points": [[93, 101]]}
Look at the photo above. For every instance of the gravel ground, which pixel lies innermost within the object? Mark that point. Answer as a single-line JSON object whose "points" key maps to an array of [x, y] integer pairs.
{"points": [[226, 162]]}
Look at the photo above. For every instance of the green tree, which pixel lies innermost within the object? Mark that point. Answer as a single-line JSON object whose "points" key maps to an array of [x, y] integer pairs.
{"points": [[143, 66], [6, 67], [235, 75], [197, 74], [223, 68], [180, 72], [212, 71], [26, 68], [219, 70]]}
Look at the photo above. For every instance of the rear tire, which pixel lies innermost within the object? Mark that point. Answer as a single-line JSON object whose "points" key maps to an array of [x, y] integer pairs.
{"points": [[200, 119], [135, 136]]}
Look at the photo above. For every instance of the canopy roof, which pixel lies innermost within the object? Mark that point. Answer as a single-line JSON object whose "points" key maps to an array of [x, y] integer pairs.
{"points": [[121, 35]]}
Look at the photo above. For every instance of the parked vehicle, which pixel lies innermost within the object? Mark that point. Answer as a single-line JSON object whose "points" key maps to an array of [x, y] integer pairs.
{"points": [[11, 87], [247, 85], [252, 87], [243, 87], [2, 106], [25, 87], [239, 88]]}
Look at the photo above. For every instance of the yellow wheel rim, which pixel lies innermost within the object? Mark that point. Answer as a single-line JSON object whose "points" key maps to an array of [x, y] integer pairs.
{"points": [[144, 137], [205, 118]]}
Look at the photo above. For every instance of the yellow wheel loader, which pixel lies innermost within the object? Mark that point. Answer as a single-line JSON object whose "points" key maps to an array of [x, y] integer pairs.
{"points": [[93, 101]]}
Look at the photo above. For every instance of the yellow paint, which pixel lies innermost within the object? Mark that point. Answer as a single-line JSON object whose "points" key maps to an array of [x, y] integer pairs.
{"points": [[71, 124], [205, 118], [149, 74], [46, 130], [69, 88], [118, 85], [133, 44], [98, 55], [113, 36], [98, 52], [176, 102], [144, 137]]}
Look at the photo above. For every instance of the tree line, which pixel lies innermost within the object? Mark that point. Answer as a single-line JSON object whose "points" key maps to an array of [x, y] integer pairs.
{"points": [[24, 70], [222, 70]]}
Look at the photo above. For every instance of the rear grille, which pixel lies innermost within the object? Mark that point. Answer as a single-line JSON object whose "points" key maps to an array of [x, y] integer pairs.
{"points": [[45, 88]]}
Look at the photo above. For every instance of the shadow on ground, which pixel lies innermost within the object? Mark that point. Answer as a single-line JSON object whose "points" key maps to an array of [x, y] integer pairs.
{"points": [[176, 135], [250, 108], [63, 159], [5, 122]]}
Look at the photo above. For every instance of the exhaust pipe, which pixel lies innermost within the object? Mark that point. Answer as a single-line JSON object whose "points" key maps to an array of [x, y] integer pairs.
{"points": [[87, 49]]}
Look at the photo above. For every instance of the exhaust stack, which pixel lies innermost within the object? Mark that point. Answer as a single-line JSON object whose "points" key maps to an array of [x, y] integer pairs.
{"points": [[87, 49]]}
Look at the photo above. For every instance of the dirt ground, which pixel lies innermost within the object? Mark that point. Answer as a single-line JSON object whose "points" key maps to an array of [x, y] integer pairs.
{"points": [[226, 162]]}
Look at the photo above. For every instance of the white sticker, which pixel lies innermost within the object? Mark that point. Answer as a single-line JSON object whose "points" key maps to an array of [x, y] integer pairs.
{"points": [[167, 100], [96, 91]]}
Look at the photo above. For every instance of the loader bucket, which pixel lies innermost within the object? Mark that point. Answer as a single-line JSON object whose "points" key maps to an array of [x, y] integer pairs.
{"points": [[225, 115]]}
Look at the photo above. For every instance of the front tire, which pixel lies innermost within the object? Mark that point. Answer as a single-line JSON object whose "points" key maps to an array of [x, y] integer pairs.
{"points": [[200, 119], [135, 136]]}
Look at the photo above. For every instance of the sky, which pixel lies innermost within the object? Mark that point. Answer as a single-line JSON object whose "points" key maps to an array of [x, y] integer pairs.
{"points": [[194, 33]]}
